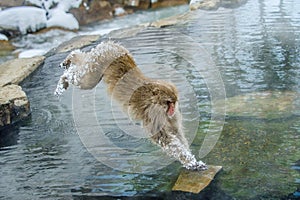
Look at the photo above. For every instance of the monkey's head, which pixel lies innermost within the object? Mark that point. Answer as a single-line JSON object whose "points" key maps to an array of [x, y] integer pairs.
{"points": [[76, 57], [166, 95], [156, 104]]}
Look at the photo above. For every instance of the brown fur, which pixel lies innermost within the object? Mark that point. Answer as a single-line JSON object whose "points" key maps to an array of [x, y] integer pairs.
{"points": [[142, 98]]}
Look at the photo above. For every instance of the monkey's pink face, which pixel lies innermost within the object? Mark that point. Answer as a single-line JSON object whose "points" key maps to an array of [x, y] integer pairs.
{"points": [[171, 109]]}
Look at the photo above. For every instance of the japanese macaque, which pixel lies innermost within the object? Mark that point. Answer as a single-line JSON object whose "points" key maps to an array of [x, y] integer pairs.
{"points": [[153, 102]]}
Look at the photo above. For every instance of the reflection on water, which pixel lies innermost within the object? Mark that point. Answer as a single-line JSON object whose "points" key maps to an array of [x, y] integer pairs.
{"points": [[259, 41], [255, 47]]}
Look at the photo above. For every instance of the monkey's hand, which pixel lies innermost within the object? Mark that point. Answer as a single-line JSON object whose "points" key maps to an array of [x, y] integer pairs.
{"points": [[197, 166], [183, 154]]}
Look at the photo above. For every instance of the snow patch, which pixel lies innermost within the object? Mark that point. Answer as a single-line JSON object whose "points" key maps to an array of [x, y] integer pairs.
{"points": [[52, 13], [66, 5], [3, 37], [43, 4], [23, 18], [59, 18], [31, 53], [195, 1], [119, 11], [57, 15]]}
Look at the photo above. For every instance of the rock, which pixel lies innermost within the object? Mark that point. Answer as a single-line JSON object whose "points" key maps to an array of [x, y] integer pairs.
{"points": [[15, 71], [145, 4], [139, 4], [6, 47], [268, 105], [11, 3], [76, 43], [92, 11], [14, 104], [195, 181], [169, 21], [134, 3], [165, 22], [167, 3], [127, 32]]}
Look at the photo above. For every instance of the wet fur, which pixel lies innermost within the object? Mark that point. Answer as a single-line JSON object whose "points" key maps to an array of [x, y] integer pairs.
{"points": [[142, 98]]}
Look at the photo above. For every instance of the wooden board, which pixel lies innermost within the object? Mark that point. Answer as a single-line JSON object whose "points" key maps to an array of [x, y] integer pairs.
{"points": [[195, 181]]}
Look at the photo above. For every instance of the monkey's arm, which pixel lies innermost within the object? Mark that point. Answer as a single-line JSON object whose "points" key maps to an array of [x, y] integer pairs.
{"points": [[174, 147]]}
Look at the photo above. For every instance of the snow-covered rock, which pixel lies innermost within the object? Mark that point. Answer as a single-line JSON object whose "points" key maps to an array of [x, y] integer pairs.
{"points": [[3, 37], [60, 18], [24, 19], [64, 5], [57, 12]]}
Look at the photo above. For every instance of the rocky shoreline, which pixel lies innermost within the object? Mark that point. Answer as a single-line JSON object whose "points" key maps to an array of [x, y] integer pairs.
{"points": [[14, 104], [87, 12]]}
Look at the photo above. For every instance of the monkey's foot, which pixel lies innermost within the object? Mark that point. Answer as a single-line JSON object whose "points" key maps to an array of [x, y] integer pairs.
{"points": [[197, 166]]}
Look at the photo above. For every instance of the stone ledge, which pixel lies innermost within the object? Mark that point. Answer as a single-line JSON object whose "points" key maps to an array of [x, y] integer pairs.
{"points": [[75, 43], [14, 104], [15, 71]]}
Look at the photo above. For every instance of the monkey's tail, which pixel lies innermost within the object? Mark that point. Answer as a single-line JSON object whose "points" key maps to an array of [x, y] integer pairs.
{"points": [[86, 69]]}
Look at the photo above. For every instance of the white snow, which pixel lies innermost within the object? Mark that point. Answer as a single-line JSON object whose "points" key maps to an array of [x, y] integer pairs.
{"points": [[119, 11], [179, 151], [52, 13], [3, 37], [59, 18], [66, 5], [195, 1], [31, 53], [24, 18]]}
